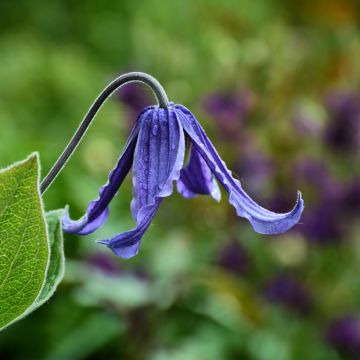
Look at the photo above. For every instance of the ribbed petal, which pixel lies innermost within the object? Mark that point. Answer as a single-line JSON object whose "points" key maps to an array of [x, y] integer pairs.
{"points": [[158, 159], [262, 220], [98, 211], [196, 178]]}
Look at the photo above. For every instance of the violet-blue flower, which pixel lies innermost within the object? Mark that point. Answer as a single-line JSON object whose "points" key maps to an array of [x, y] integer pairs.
{"points": [[155, 151]]}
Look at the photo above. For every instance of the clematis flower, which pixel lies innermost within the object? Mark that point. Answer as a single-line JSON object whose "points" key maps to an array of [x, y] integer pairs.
{"points": [[229, 110], [155, 150]]}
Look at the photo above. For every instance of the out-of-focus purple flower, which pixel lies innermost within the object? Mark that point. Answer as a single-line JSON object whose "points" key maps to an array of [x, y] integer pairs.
{"points": [[289, 292], [351, 200], [104, 263], [321, 224], [229, 110], [135, 97], [324, 222], [156, 150], [233, 258], [344, 335], [343, 128], [311, 171], [256, 169]]}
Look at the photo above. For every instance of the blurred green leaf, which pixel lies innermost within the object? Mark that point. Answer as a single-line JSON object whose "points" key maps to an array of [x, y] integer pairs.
{"points": [[124, 290], [89, 336]]}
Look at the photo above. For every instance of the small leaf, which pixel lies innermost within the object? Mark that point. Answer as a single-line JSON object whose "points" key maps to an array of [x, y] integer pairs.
{"points": [[24, 249], [56, 268]]}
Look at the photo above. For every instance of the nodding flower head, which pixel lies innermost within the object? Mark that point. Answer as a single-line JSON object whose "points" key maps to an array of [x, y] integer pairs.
{"points": [[155, 150]]}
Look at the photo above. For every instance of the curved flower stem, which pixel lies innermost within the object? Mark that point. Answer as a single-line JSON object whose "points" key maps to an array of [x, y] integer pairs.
{"points": [[155, 86]]}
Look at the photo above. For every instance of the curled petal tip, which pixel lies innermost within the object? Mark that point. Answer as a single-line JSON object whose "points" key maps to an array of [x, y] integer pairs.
{"points": [[124, 252], [299, 205], [103, 242], [279, 223], [299, 197], [73, 226]]}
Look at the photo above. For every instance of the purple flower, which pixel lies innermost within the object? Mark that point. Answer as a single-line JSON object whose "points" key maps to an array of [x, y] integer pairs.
{"points": [[233, 258], [351, 199], [155, 150], [311, 171], [229, 110], [255, 168], [324, 222], [343, 130], [133, 96], [104, 263], [289, 292], [321, 224], [344, 335], [330, 218], [135, 99]]}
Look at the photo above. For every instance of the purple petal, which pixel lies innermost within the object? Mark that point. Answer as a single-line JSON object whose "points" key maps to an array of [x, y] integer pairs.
{"points": [[98, 211], [83, 226], [127, 244], [158, 159], [262, 220], [197, 179]]}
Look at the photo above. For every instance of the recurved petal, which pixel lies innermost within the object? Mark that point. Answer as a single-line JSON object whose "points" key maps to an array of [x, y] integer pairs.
{"points": [[98, 211], [83, 226], [262, 220], [196, 178], [158, 159], [127, 244]]}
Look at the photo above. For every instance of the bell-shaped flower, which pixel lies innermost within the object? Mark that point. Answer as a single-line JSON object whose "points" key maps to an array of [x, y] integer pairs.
{"points": [[155, 151]]}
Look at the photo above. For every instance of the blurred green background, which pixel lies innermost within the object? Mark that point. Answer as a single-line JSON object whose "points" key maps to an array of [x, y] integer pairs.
{"points": [[276, 85]]}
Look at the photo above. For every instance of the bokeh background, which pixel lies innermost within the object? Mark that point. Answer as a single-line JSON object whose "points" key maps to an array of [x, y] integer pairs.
{"points": [[276, 85]]}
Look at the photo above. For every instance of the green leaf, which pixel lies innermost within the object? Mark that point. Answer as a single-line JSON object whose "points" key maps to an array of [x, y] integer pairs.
{"points": [[30, 268], [56, 268]]}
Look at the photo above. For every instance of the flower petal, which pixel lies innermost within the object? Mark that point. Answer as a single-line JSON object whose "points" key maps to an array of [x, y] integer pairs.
{"points": [[98, 211], [262, 220], [127, 244], [197, 179], [158, 159]]}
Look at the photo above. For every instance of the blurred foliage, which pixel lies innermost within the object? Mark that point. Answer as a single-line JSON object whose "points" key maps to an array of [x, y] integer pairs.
{"points": [[294, 69]]}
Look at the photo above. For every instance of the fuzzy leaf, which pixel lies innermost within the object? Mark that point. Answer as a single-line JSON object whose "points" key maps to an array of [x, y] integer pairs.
{"points": [[24, 249], [56, 268]]}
